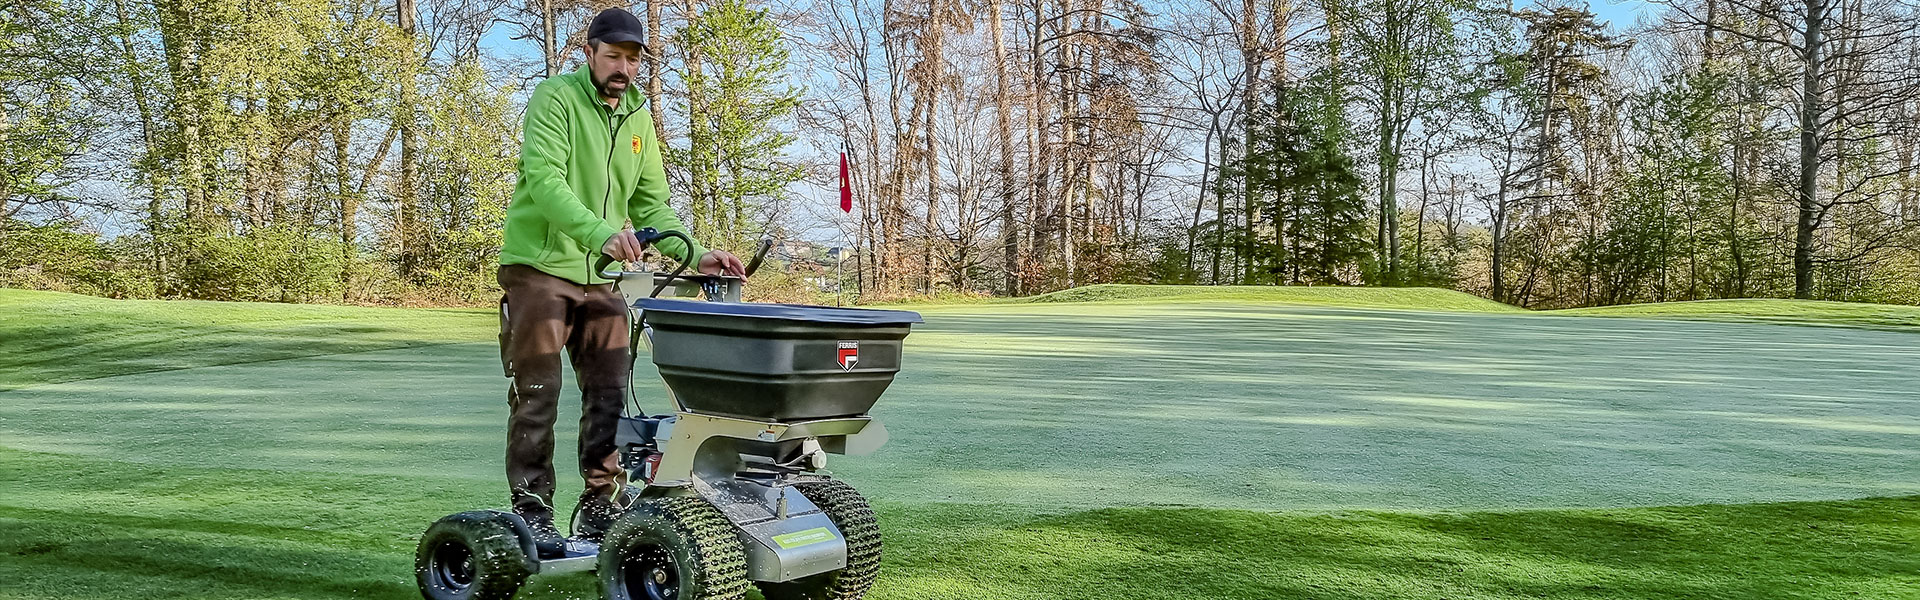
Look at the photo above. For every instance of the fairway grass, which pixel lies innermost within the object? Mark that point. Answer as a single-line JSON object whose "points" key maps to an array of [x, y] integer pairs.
{"points": [[53, 337], [1126, 449], [107, 529], [1786, 312]]}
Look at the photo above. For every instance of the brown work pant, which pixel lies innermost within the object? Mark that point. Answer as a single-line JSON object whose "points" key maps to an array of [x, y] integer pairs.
{"points": [[544, 314]]}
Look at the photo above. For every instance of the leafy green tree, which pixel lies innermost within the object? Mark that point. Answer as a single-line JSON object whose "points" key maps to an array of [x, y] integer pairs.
{"points": [[468, 170], [1665, 239], [733, 168], [1303, 185], [43, 124], [1409, 63]]}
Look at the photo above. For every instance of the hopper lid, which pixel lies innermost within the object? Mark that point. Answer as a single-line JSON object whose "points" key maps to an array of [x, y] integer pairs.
{"points": [[788, 312]]}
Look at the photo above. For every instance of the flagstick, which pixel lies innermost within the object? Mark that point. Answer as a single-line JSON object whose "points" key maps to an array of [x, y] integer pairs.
{"points": [[846, 209]]}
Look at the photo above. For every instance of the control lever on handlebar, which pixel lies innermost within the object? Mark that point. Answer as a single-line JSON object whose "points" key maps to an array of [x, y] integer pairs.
{"points": [[759, 254]]}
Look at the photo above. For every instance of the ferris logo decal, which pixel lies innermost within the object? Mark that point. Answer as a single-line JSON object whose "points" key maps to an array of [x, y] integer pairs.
{"points": [[849, 354]]}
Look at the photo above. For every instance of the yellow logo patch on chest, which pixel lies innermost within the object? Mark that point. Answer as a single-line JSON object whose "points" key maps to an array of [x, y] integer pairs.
{"points": [[636, 144]]}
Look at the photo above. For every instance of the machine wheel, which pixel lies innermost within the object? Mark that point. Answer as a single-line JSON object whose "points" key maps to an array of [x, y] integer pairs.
{"points": [[677, 548], [470, 556], [850, 512]]}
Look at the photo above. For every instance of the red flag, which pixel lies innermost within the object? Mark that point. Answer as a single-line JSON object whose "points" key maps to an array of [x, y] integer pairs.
{"points": [[846, 186]]}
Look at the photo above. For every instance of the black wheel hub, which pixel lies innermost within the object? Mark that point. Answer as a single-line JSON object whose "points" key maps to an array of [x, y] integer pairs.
{"points": [[649, 574], [452, 566]]}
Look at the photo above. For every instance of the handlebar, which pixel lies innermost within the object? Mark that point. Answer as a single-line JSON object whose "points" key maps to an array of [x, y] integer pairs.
{"points": [[648, 235]]}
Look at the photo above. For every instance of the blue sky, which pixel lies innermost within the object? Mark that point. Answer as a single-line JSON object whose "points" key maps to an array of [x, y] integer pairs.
{"points": [[1619, 13]]}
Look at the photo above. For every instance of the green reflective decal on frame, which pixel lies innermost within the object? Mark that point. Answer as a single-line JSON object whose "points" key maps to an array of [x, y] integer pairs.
{"points": [[804, 538]]}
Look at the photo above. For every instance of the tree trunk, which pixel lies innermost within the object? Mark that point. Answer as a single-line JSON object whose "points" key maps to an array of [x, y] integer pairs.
{"points": [[1810, 112], [1219, 215], [404, 117], [705, 206], [1251, 53], [1733, 208], [1499, 291], [156, 196], [1388, 236], [549, 42], [655, 55], [1042, 146], [1003, 106], [892, 217], [349, 207], [181, 44], [1206, 179], [1066, 60], [1420, 219], [870, 210], [931, 88]]}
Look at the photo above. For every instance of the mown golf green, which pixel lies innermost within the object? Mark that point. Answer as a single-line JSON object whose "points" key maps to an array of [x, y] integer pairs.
{"points": [[1156, 444]]}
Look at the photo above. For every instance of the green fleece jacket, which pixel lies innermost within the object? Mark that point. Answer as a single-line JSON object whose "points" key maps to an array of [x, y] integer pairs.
{"points": [[585, 170]]}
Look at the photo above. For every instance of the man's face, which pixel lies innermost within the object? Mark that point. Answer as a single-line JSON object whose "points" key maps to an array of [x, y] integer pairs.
{"points": [[613, 66]]}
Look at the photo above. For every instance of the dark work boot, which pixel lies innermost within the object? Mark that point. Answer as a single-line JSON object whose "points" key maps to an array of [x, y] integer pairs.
{"points": [[595, 516], [546, 538]]}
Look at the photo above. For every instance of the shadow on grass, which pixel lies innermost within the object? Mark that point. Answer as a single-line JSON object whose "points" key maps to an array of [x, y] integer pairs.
{"points": [[77, 556], [83, 528], [61, 337], [1847, 549], [1844, 549]]}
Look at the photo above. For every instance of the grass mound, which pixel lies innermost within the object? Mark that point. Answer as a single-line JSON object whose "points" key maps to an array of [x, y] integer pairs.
{"points": [[54, 337], [1357, 297], [1777, 311], [1791, 312]]}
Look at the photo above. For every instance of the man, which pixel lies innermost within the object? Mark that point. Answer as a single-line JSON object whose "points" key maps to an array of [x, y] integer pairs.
{"points": [[589, 163]]}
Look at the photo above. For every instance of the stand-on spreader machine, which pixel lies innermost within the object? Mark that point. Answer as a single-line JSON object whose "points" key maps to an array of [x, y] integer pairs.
{"points": [[728, 491]]}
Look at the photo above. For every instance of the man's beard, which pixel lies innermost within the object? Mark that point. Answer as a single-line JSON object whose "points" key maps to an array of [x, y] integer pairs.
{"points": [[605, 85]]}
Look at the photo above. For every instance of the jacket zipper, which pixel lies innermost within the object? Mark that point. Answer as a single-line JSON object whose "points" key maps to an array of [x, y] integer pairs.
{"points": [[613, 143]]}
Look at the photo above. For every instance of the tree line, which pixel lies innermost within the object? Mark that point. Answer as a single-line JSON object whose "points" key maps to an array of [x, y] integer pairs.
{"points": [[362, 151]]}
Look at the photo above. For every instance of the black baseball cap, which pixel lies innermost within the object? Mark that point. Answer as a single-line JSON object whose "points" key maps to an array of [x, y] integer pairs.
{"points": [[615, 25]]}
